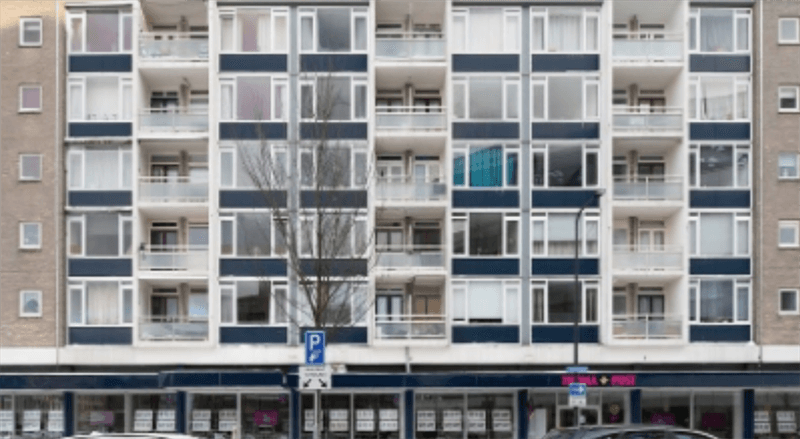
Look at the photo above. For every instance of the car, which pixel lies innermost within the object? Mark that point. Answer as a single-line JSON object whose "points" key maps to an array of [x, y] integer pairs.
{"points": [[631, 431]]}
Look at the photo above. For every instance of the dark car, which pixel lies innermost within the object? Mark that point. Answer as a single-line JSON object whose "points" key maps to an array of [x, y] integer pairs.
{"points": [[628, 432]]}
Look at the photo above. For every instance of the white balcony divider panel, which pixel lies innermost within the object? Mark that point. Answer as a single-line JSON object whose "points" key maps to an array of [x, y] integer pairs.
{"points": [[652, 258], [173, 46], [647, 327], [406, 256], [409, 326], [172, 189], [174, 258], [166, 119], [648, 188], [409, 189], [410, 46], [413, 118], [647, 46], [648, 119]]}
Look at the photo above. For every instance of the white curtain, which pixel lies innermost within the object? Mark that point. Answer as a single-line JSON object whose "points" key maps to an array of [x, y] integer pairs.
{"points": [[280, 33], [486, 30], [102, 102], [512, 306], [486, 300], [538, 34], [717, 99], [561, 234], [264, 33], [226, 102], [716, 234], [565, 33], [716, 30], [458, 33], [248, 32], [102, 169], [226, 32], [102, 303], [716, 301], [253, 98]]}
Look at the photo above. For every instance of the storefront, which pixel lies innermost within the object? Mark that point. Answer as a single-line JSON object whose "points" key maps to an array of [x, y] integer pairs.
{"points": [[39, 415]]}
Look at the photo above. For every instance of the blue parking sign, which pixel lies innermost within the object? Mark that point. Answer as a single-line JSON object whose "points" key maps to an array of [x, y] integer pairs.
{"points": [[315, 348]]}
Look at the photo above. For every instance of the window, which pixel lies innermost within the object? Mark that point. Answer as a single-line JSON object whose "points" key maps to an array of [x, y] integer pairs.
{"points": [[565, 97], [719, 300], [333, 30], [787, 165], [344, 235], [30, 98], [553, 234], [30, 31], [486, 301], [100, 31], [485, 234], [719, 234], [253, 166], [719, 30], [253, 98], [789, 302], [250, 234], [486, 98], [565, 165], [788, 99], [554, 301], [99, 168], [721, 166], [30, 236], [564, 30], [254, 30], [486, 30], [789, 31], [99, 234], [333, 98], [338, 166], [719, 98], [254, 302], [347, 304], [489, 166], [101, 303], [788, 232], [30, 303], [100, 98], [30, 167]]}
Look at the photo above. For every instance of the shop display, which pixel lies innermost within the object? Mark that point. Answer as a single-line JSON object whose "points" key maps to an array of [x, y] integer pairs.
{"points": [[338, 420], [31, 421], [388, 420], [55, 421], [143, 420], [501, 420], [426, 420], [451, 420], [365, 420], [166, 420], [476, 421]]}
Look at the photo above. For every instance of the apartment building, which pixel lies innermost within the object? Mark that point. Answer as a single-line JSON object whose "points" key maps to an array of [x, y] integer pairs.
{"points": [[497, 155]]}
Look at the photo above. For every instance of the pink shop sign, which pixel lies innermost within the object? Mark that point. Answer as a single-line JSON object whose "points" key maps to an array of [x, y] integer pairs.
{"points": [[616, 380]]}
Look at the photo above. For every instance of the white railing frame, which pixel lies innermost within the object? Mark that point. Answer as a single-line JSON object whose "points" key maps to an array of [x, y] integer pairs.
{"points": [[646, 40], [409, 255], [646, 320], [178, 117], [648, 182], [409, 321], [169, 322], [176, 251], [648, 35], [648, 114], [646, 255], [150, 37], [178, 182]]}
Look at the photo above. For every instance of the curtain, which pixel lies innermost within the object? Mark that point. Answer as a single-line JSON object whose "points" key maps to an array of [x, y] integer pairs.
{"points": [[102, 101], [102, 303], [253, 234], [565, 33], [486, 30], [102, 169], [716, 234], [248, 34], [716, 30], [102, 31], [264, 33], [717, 99], [226, 102], [253, 98], [485, 98], [561, 234], [486, 166], [102, 234], [485, 301], [566, 98], [716, 301]]}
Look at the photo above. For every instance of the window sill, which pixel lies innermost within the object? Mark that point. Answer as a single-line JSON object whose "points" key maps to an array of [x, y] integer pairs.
{"points": [[788, 313], [789, 110], [36, 111], [30, 316], [30, 45], [789, 43], [788, 246], [789, 178], [30, 249], [30, 180]]}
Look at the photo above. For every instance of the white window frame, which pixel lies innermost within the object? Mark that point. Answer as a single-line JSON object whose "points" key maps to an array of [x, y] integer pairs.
{"points": [[356, 149], [38, 108], [80, 152], [586, 284], [507, 80], [796, 294], [507, 218], [310, 217], [357, 13], [231, 216], [509, 46], [122, 286], [22, 295], [796, 166], [233, 151], [22, 22], [233, 288], [544, 15], [791, 89], [695, 233], [544, 148], [509, 287], [738, 80], [795, 226], [38, 176], [739, 149], [276, 81], [81, 219], [796, 22], [588, 81], [738, 13], [508, 149], [81, 15], [589, 216], [695, 288], [274, 14], [37, 245], [355, 82], [123, 82]]}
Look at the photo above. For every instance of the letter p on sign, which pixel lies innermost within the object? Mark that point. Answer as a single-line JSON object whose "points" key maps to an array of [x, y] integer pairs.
{"points": [[315, 348]]}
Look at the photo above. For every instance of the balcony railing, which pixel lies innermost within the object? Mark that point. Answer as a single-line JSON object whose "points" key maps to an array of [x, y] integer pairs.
{"points": [[647, 327], [651, 119], [173, 46], [172, 189], [649, 258], [648, 188], [169, 120], [174, 258], [409, 189], [409, 327], [173, 328], [647, 46], [410, 46], [411, 118], [422, 256]]}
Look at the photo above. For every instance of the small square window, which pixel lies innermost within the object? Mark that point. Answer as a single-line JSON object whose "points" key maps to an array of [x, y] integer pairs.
{"points": [[30, 303], [30, 31], [789, 31], [787, 165], [30, 236], [30, 98], [30, 167], [788, 302], [788, 233], [788, 99]]}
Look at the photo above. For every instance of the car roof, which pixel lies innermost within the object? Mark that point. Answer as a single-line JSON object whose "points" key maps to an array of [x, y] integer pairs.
{"points": [[97, 435], [588, 432]]}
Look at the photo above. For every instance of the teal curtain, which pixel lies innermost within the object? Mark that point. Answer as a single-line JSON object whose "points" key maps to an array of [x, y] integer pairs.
{"points": [[486, 166]]}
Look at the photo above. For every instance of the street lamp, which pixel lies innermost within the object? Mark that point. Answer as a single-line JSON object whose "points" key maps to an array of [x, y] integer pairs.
{"points": [[577, 287]]}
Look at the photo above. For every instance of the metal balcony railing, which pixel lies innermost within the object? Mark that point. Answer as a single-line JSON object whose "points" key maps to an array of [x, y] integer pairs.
{"points": [[174, 258], [173, 328], [173, 46], [647, 327], [172, 189], [651, 119], [399, 256], [411, 118], [648, 188], [410, 327], [170, 120], [409, 189], [650, 258], [416, 46], [647, 46]]}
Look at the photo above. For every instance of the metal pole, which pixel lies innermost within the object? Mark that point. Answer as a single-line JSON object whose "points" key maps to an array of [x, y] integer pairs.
{"points": [[575, 301], [317, 414]]}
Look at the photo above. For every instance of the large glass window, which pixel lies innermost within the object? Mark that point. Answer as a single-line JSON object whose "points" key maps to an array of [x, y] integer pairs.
{"points": [[486, 234], [564, 29], [486, 97], [259, 30], [776, 414], [100, 31], [99, 234], [721, 166], [37, 416], [212, 416], [265, 416], [716, 97], [253, 98], [549, 410], [353, 416], [666, 408], [329, 98], [486, 302], [721, 30], [100, 98], [330, 30], [253, 166], [554, 301], [254, 302], [565, 97], [719, 234], [486, 165], [714, 413], [99, 168], [553, 234], [100, 303], [99, 413], [486, 30], [154, 412], [719, 300], [462, 416], [565, 165], [340, 166], [251, 234]]}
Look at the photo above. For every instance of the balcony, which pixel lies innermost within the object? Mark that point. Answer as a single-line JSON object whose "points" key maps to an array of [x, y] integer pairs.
{"points": [[170, 258], [410, 327], [173, 328], [650, 259], [417, 256], [647, 47], [163, 120], [410, 189], [172, 190], [648, 119], [173, 46], [416, 119], [410, 46], [647, 327], [648, 188]]}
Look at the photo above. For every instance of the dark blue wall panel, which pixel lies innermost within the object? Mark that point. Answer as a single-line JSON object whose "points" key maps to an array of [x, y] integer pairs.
{"points": [[564, 266], [101, 335], [565, 130], [485, 130], [485, 198], [522, 414], [252, 63], [69, 413], [180, 412], [99, 198], [333, 63], [719, 333], [252, 130], [252, 199], [352, 199], [486, 266], [218, 378], [719, 199], [564, 334], [335, 267], [485, 333], [485, 63], [748, 420], [636, 406], [100, 63], [253, 335], [296, 401], [252, 267], [100, 129], [333, 130], [731, 266], [719, 63], [341, 335], [409, 417], [564, 63], [719, 131], [563, 198], [100, 267]]}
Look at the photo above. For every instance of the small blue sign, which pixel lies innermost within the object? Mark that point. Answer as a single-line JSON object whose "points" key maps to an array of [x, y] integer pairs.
{"points": [[315, 348], [577, 369], [577, 389]]}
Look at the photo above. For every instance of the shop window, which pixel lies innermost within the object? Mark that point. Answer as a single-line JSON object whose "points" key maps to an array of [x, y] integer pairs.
{"points": [[100, 413], [713, 413], [154, 412], [265, 416], [212, 416], [37, 416], [776, 414], [458, 416], [353, 416]]}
